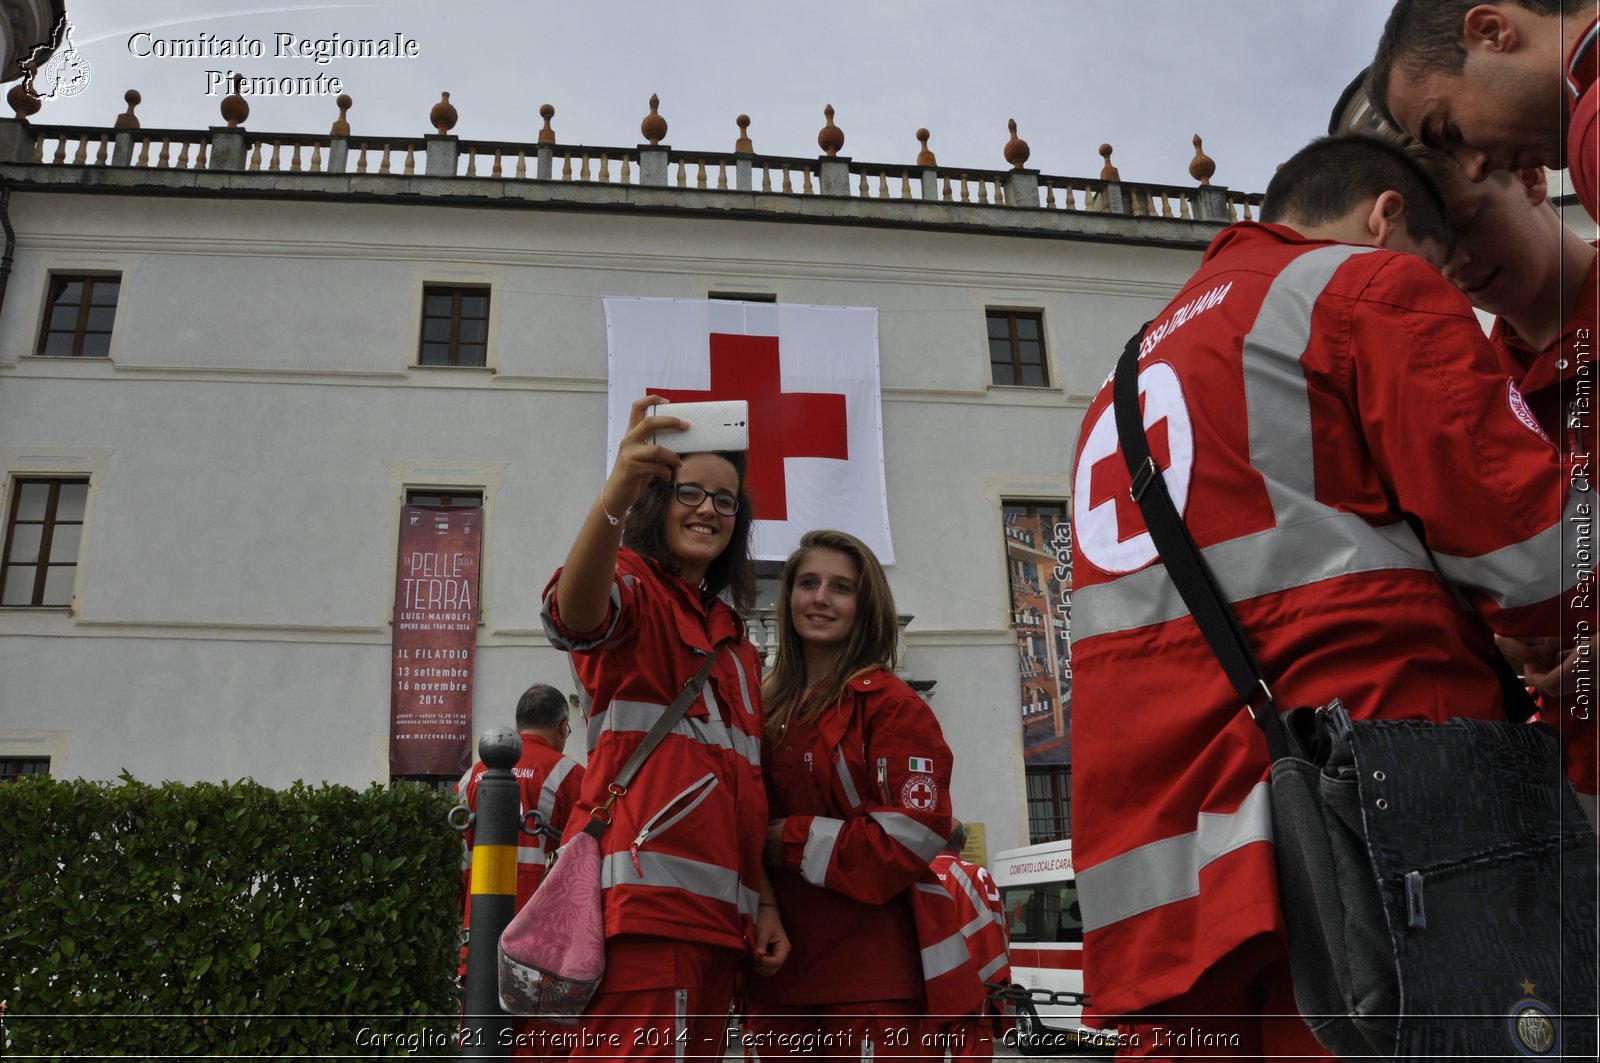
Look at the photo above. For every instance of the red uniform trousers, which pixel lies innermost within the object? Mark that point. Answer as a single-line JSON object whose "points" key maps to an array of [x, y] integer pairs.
{"points": [[660, 999], [891, 1029], [969, 1037], [1241, 1008]]}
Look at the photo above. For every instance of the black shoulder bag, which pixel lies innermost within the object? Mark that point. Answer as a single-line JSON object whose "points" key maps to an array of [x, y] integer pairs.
{"points": [[1438, 880]]}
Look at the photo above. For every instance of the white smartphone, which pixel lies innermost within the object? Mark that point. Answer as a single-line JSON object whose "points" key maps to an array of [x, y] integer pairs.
{"points": [[723, 425]]}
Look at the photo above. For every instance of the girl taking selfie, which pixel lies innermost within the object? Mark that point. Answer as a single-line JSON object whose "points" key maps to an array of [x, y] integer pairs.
{"points": [[639, 605]]}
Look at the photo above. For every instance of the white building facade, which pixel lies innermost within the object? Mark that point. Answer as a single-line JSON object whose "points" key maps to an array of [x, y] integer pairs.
{"points": [[207, 442]]}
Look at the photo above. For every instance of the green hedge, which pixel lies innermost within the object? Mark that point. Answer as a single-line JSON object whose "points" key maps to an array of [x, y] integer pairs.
{"points": [[226, 920]]}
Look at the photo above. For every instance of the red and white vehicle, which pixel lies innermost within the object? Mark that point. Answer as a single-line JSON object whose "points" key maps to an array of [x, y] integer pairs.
{"points": [[1040, 897]]}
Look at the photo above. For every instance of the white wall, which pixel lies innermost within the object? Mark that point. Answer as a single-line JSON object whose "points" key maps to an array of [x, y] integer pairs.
{"points": [[251, 436]]}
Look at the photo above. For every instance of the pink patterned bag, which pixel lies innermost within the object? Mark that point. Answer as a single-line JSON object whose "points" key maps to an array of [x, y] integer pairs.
{"points": [[553, 952]]}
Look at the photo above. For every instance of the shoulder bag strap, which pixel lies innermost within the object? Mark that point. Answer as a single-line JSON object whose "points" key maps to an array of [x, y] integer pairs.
{"points": [[598, 822], [1185, 566]]}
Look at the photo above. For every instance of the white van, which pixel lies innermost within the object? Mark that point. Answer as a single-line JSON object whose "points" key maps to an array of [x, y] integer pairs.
{"points": [[1040, 896]]}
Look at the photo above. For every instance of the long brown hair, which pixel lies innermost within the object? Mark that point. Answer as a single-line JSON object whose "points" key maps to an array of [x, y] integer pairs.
{"points": [[870, 644], [732, 570]]}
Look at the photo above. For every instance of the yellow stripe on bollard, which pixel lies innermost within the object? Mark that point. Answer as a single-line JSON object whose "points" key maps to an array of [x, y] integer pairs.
{"points": [[494, 869]]}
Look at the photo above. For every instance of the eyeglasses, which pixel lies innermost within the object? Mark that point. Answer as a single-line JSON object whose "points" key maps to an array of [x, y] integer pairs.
{"points": [[692, 495]]}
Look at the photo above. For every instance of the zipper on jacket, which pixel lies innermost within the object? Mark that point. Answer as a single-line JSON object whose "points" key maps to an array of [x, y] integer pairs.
{"points": [[673, 811], [883, 780]]}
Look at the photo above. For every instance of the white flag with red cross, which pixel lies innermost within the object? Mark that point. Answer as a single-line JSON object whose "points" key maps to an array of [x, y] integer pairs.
{"points": [[810, 375]]}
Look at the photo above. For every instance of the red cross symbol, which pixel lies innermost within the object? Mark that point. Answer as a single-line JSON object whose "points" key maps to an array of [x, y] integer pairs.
{"points": [[1109, 480], [919, 793], [782, 424]]}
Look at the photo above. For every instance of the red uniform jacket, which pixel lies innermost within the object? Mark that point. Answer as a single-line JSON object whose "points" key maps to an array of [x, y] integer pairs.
{"points": [[1320, 412], [549, 784], [983, 919], [882, 757], [682, 858], [1559, 384]]}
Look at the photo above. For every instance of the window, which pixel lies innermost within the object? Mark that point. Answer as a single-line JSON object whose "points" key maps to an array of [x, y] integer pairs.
{"points": [[1016, 349], [13, 768], [744, 297], [1044, 912], [78, 317], [43, 531], [446, 497], [1049, 803], [455, 326]]}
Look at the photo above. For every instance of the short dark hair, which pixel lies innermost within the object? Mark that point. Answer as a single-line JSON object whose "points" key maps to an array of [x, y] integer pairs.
{"points": [[1328, 178], [542, 707], [1424, 37], [958, 837], [732, 570]]}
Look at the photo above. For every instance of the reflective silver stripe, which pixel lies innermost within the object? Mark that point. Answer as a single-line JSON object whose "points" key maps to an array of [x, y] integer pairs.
{"points": [[563, 642], [1339, 544], [909, 833], [679, 872], [639, 716], [744, 684], [935, 889], [1169, 870], [551, 787], [1279, 405], [531, 854], [820, 840], [1277, 401], [943, 957], [992, 968], [461, 784], [1590, 803], [842, 770], [680, 1023], [1522, 574], [984, 915]]}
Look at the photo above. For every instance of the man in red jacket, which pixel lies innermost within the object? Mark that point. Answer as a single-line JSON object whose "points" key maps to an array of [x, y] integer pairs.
{"points": [[549, 783], [983, 925], [1326, 412], [1505, 86], [1515, 259]]}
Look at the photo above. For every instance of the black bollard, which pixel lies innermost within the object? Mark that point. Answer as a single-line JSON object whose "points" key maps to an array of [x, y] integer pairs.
{"points": [[486, 1027]]}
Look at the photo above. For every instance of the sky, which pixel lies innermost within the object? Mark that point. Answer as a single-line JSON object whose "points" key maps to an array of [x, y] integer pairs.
{"points": [[1255, 78]]}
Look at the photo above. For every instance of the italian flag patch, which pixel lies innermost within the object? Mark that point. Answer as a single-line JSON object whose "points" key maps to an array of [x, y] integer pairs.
{"points": [[921, 764]]}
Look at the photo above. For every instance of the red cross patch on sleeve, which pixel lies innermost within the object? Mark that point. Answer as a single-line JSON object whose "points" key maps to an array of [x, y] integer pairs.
{"points": [[919, 792]]}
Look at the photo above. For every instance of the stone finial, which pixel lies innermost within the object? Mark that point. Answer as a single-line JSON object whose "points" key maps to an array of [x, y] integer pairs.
{"points": [[23, 103], [831, 138], [547, 135], [1016, 150], [1108, 172], [654, 127], [743, 143], [925, 157], [1202, 166], [234, 108], [129, 120], [341, 125], [443, 116]]}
